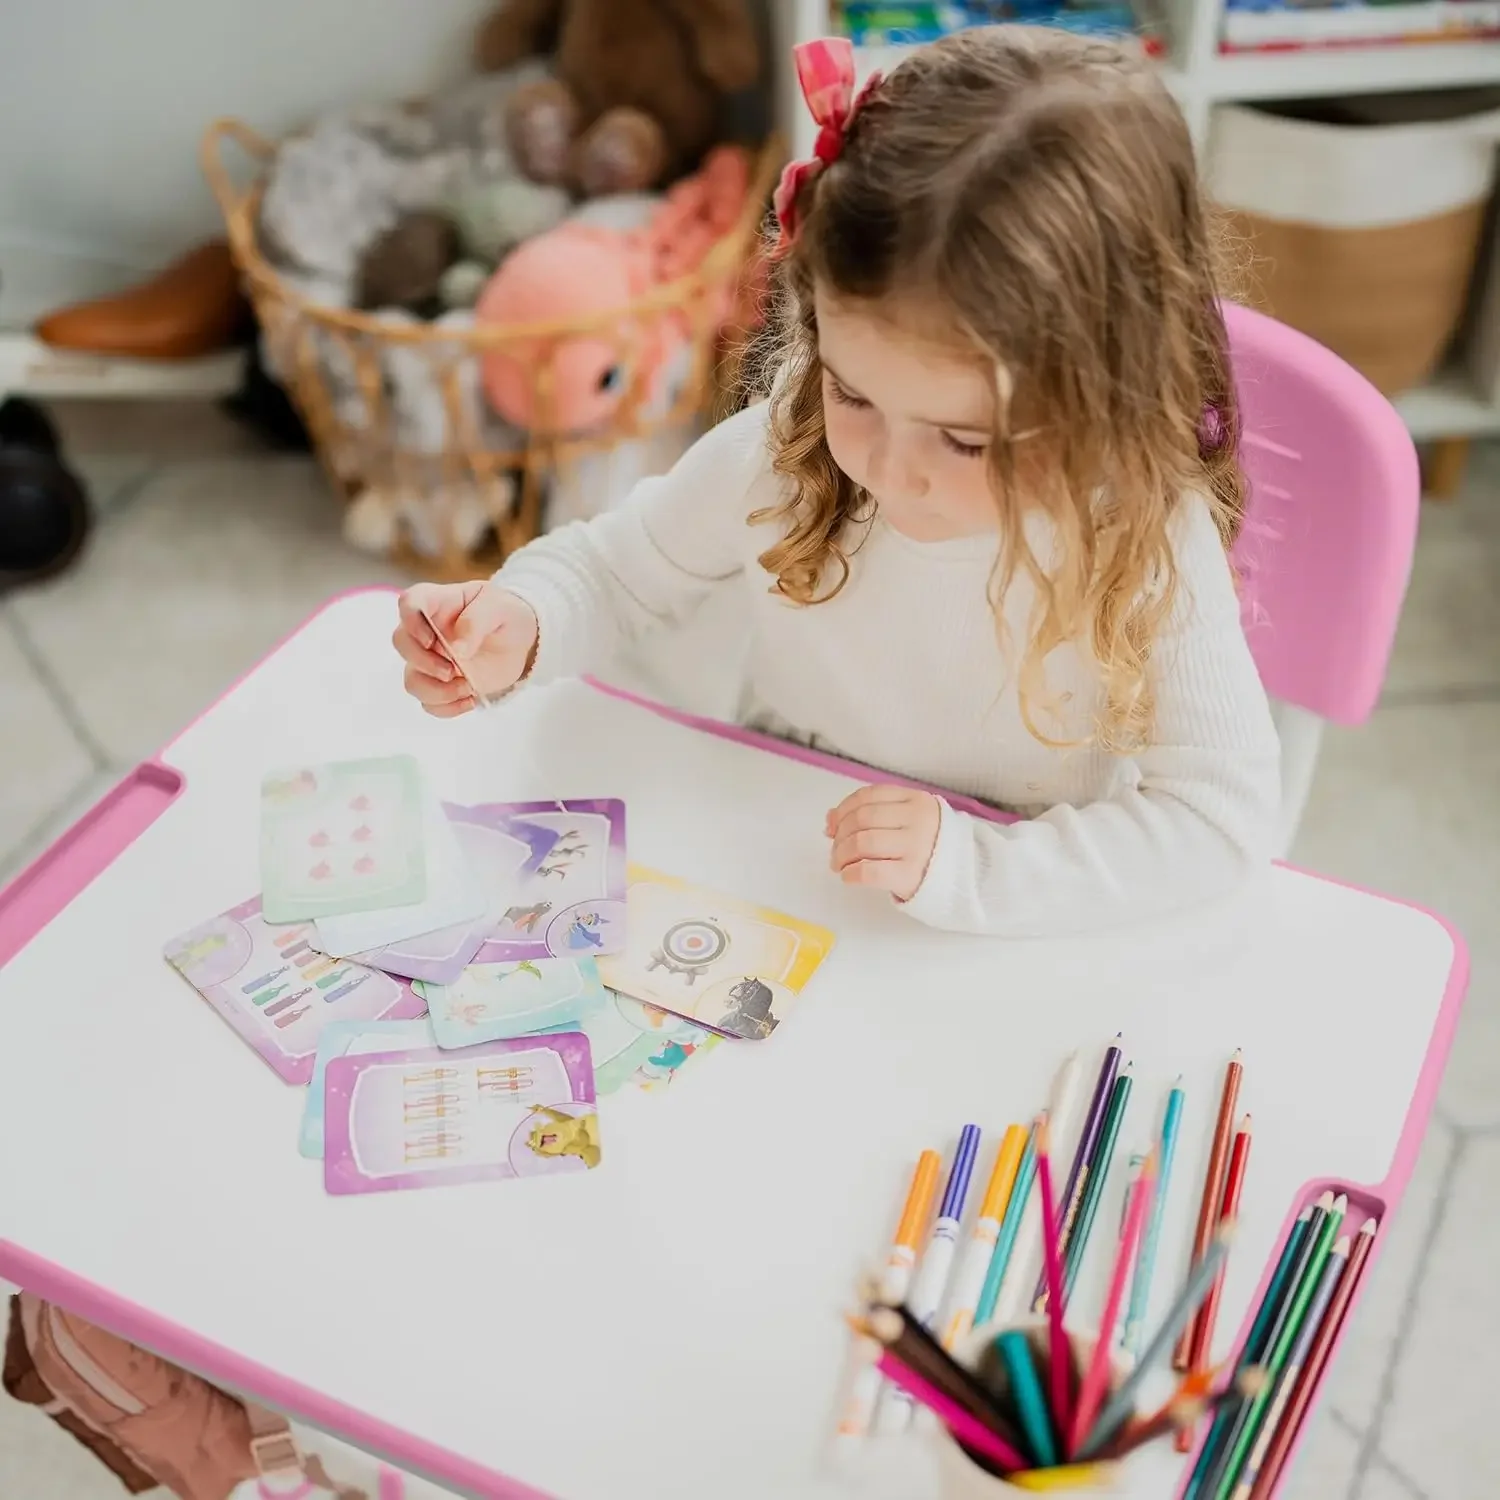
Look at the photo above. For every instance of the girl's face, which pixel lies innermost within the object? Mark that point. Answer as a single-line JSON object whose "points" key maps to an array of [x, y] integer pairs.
{"points": [[909, 420]]}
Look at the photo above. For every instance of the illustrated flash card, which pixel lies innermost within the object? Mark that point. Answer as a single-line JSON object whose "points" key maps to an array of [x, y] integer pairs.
{"points": [[559, 870], [640, 1045], [277, 991], [427, 1118], [342, 837], [488, 1002], [453, 896], [728, 965], [352, 1039]]}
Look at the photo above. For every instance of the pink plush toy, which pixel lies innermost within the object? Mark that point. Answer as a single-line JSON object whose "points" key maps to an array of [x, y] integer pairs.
{"points": [[576, 383]]}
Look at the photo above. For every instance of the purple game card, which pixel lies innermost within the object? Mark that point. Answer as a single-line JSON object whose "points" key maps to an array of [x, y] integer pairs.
{"points": [[428, 1118], [557, 871], [277, 991]]}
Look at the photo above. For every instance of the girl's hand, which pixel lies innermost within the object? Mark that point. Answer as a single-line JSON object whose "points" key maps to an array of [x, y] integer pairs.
{"points": [[884, 836], [493, 634]]}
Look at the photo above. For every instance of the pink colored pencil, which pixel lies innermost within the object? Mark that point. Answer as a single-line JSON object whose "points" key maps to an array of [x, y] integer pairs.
{"points": [[1062, 1355], [964, 1426], [1096, 1380]]}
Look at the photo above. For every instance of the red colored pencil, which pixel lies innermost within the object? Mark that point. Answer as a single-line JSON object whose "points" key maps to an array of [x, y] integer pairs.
{"points": [[1061, 1361], [1213, 1189], [1203, 1327], [1317, 1363]]}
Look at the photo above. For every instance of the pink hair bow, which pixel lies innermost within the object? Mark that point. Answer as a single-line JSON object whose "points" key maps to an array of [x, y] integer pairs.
{"points": [[825, 70]]}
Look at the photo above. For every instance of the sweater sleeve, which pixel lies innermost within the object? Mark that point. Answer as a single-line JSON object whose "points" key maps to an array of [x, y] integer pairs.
{"points": [[1198, 816], [597, 585]]}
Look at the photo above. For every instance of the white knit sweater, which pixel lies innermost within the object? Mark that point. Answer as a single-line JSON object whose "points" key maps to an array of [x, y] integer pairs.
{"points": [[903, 670]]}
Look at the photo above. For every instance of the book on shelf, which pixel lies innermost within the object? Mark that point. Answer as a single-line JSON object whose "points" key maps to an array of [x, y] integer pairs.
{"points": [[1273, 25], [874, 23]]}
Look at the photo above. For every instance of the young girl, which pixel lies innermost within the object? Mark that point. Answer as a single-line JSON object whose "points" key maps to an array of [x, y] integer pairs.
{"points": [[984, 511]]}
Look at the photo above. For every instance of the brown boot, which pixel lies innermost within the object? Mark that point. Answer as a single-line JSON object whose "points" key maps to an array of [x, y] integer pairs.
{"points": [[194, 307]]}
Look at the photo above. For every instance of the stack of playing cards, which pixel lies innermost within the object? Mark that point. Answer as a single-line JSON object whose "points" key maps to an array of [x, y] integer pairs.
{"points": [[437, 973]]}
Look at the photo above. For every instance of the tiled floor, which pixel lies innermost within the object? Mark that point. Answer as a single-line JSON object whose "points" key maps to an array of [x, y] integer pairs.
{"points": [[208, 551]]}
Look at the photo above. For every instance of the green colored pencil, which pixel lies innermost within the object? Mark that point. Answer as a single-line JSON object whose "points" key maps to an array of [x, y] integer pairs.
{"points": [[1255, 1344], [1026, 1390], [1010, 1227], [1249, 1423], [1093, 1191]]}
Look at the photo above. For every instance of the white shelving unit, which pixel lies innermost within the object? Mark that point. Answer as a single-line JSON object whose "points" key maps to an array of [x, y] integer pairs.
{"points": [[1201, 77]]}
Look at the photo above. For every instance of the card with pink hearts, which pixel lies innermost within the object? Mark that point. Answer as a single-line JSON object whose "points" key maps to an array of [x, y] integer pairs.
{"points": [[343, 837]]}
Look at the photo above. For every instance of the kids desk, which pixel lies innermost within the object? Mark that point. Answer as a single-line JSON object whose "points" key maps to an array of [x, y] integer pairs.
{"points": [[667, 1326]]}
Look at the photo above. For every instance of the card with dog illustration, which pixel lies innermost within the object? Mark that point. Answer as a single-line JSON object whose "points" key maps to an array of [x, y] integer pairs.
{"points": [[342, 837], [488, 1002], [277, 991], [352, 1039], [429, 1118], [720, 962]]}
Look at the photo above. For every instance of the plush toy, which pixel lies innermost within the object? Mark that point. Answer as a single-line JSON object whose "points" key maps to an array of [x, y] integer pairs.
{"points": [[405, 266], [588, 267], [639, 89]]}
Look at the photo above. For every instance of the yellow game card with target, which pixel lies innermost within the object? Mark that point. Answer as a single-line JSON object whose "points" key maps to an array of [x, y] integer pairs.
{"points": [[727, 964]]}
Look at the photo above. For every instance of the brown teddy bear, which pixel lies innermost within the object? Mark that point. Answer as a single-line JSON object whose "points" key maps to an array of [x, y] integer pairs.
{"points": [[638, 88]]}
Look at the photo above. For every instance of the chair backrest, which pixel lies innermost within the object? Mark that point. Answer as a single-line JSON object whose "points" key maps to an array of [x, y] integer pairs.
{"points": [[1326, 549]]}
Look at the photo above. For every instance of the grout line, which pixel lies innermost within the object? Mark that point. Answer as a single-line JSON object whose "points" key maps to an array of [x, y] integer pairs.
{"points": [[59, 695], [126, 493], [1398, 1476], [1369, 1455], [1440, 697]]}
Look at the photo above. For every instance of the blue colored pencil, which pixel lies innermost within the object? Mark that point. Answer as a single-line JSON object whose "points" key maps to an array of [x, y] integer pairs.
{"points": [[1010, 1227], [1145, 1266], [1031, 1403]]}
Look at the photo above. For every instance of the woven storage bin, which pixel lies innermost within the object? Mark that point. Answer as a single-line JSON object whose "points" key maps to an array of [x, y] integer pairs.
{"points": [[360, 447], [1362, 225]]}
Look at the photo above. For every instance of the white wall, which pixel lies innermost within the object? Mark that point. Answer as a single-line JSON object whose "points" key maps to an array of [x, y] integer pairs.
{"points": [[102, 103]]}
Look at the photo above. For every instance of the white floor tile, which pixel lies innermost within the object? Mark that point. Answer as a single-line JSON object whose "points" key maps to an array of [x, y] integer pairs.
{"points": [[1409, 805], [1441, 1428], [201, 575], [42, 760], [1450, 626]]}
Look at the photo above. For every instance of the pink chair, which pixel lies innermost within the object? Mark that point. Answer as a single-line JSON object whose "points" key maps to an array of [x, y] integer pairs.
{"points": [[1326, 549]]}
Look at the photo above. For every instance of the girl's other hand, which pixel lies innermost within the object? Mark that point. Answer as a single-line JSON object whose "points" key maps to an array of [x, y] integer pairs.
{"points": [[884, 836], [493, 633]]}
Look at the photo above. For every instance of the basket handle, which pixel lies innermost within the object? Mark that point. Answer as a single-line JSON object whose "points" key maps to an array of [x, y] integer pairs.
{"points": [[211, 158]]}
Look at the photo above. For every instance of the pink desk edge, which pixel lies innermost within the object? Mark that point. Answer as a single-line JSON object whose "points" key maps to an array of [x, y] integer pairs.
{"points": [[39, 893]]}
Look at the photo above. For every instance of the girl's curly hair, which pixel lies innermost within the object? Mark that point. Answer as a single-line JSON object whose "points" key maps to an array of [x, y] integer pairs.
{"points": [[1036, 190]]}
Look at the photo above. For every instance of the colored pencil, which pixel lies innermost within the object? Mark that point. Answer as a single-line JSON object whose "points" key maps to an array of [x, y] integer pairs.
{"points": [[1213, 1183], [1096, 1378], [895, 1281], [1283, 1278], [1098, 1175], [1014, 1349], [1118, 1408], [1145, 1265], [937, 1262], [1246, 1425], [973, 1269], [1315, 1365], [1203, 1324], [1062, 1119], [1183, 1410], [1060, 1352], [1010, 1229], [969, 1430], [1088, 1137], [1333, 1272], [895, 1330]]}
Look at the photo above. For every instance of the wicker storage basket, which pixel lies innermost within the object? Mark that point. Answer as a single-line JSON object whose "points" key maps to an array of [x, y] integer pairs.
{"points": [[1362, 224], [359, 443]]}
